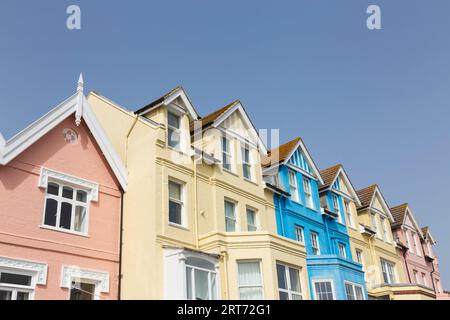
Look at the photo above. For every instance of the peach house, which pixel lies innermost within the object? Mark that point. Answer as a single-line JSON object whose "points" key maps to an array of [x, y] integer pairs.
{"points": [[61, 185]]}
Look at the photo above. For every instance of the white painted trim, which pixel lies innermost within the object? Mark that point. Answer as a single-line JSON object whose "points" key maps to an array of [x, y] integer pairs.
{"points": [[333, 290], [347, 183], [90, 186], [238, 107], [100, 278], [180, 93], [383, 203], [311, 163], [416, 225], [354, 284], [39, 268]]}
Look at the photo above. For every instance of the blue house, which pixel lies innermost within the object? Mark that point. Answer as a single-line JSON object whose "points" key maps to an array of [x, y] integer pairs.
{"points": [[312, 209]]}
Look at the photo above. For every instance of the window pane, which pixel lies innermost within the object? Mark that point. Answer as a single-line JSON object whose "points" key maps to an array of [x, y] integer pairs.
{"points": [[200, 263], [249, 274], [359, 293], [296, 297], [66, 215], [174, 138], [82, 291], [80, 219], [174, 190], [67, 193], [53, 188], [284, 295], [225, 145], [22, 296], [349, 292], [229, 209], [174, 212], [281, 273], [174, 120], [230, 225], [5, 295], [189, 283], [213, 286], [18, 279], [81, 196], [201, 285], [226, 159], [295, 280], [246, 169], [51, 207], [251, 293]]}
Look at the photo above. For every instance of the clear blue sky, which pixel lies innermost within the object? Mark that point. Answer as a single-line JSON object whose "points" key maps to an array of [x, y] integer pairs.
{"points": [[376, 101]]}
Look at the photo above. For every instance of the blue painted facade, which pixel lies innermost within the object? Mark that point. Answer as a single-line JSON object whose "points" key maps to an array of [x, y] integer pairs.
{"points": [[329, 264]]}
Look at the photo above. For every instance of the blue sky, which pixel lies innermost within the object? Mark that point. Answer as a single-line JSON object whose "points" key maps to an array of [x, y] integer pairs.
{"points": [[376, 101]]}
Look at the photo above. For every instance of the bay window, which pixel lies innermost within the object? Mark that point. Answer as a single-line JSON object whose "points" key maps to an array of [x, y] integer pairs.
{"points": [[387, 269], [251, 220], [354, 291], [341, 248], [336, 207], [174, 130], [176, 205], [293, 185], [323, 290], [230, 216], [250, 280], [201, 280], [289, 286], [246, 165], [226, 153]]}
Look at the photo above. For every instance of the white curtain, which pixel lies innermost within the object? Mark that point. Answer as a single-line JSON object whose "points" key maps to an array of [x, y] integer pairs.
{"points": [[250, 284]]}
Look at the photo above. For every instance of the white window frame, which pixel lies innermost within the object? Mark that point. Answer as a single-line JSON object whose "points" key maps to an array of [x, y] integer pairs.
{"points": [[227, 154], [416, 276], [235, 204], [337, 209], [178, 130], [424, 279], [192, 275], [416, 244], [255, 214], [348, 214], [180, 202], [292, 177], [385, 264], [289, 290], [299, 230], [73, 202], [247, 163], [430, 249], [309, 201], [342, 250], [100, 279], [360, 257], [409, 243], [384, 229], [333, 291], [261, 285], [354, 285], [16, 288], [315, 239]]}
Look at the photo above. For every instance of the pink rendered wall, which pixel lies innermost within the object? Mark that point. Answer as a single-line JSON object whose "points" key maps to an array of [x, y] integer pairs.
{"points": [[22, 205], [412, 261]]}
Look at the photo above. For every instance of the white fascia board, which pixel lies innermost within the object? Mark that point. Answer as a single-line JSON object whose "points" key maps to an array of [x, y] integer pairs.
{"points": [[25, 138], [183, 96], [383, 203], [308, 157], [347, 183], [247, 121], [416, 225]]}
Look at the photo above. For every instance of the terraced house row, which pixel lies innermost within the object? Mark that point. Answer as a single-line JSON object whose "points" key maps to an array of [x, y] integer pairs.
{"points": [[99, 202]]}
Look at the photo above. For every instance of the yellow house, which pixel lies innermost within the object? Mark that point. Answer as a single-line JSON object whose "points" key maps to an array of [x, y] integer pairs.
{"points": [[199, 220]]}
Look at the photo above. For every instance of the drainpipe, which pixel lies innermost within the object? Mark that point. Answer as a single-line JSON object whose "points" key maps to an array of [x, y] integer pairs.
{"points": [[406, 264], [119, 294], [281, 215], [195, 205]]}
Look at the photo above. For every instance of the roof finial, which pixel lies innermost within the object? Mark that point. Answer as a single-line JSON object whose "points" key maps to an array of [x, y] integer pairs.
{"points": [[79, 111], [80, 83]]}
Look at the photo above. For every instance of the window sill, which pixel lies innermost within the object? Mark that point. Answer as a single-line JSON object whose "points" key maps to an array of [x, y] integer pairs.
{"points": [[230, 172], [85, 235], [179, 151], [250, 181], [178, 226]]}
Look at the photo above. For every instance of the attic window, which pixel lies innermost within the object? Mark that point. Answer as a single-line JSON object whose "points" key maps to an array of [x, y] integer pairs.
{"points": [[174, 130]]}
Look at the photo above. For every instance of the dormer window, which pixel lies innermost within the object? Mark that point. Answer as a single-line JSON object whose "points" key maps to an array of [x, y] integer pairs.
{"points": [[308, 192], [226, 153], [336, 207], [293, 186], [246, 166], [174, 130]]}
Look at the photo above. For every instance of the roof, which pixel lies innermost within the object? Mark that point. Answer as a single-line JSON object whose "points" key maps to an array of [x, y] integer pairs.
{"points": [[399, 213], [74, 105], [329, 174], [366, 194], [283, 152], [167, 98], [213, 116]]}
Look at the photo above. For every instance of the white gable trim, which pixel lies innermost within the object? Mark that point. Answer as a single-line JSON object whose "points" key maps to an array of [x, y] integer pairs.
{"points": [[383, 204], [416, 225], [308, 158], [430, 236], [239, 108], [78, 105], [349, 185]]}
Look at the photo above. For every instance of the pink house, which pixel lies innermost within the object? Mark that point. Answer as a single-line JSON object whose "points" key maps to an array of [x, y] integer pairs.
{"points": [[61, 184], [419, 261]]}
